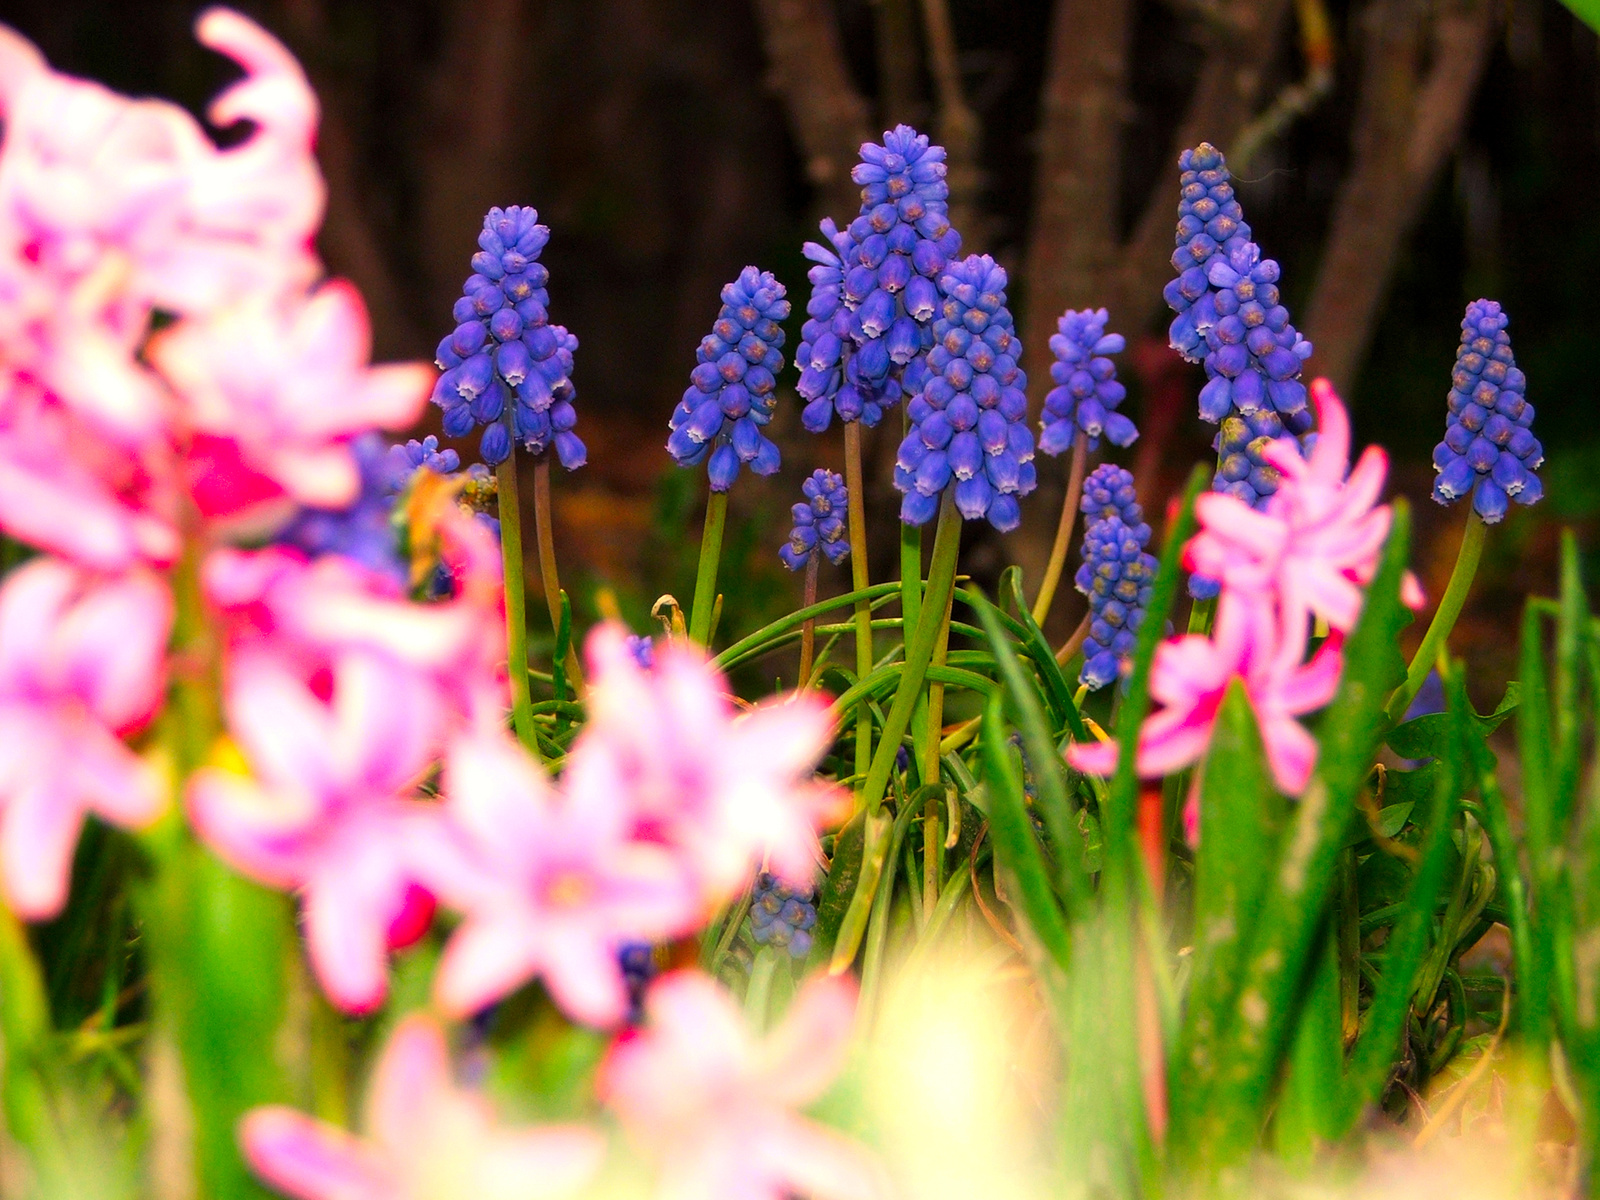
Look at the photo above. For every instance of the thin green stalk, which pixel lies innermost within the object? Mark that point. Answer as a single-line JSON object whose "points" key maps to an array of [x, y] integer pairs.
{"points": [[544, 533], [1069, 517], [910, 577], [941, 585], [759, 990], [516, 600], [878, 925], [932, 827], [768, 636], [856, 484], [705, 584], [808, 631], [1444, 617]]}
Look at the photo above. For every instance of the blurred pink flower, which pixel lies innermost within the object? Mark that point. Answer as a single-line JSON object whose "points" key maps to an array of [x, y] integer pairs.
{"points": [[312, 611], [82, 660], [1191, 675], [720, 788], [428, 1140], [112, 207], [551, 885], [66, 489], [324, 813], [717, 1108], [288, 384], [1317, 544]]}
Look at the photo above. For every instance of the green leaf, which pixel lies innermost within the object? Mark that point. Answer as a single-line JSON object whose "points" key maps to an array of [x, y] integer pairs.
{"points": [[1242, 817], [1057, 690], [838, 885], [1587, 11], [1427, 736], [1297, 899]]}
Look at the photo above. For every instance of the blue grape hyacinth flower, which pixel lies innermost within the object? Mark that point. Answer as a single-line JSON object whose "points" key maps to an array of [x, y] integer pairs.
{"points": [[1488, 448], [1231, 318], [782, 916], [969, 424], [1108, 492], [818, 522], [1087, 393], [733, 387], [408, 457], [506, 368], [1117, 575], [364, 531], [874, 295]]}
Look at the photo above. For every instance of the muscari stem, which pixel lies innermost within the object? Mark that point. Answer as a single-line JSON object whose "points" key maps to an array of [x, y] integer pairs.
{"points": [[941, 586], [1069, 516], [858, 582], [932, 829], [1444, 617], [705, 584], [808, 631], [516, 600], [544, 533]]}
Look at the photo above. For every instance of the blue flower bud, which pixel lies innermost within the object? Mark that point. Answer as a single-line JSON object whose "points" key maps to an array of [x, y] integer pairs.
{"points": [[818, 522], [1116, 575]]}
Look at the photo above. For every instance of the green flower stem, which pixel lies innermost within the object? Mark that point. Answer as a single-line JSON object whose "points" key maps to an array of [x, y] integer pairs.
{"points": [[808, 631], [25, 1025], [769, 636], [941, 585], [858, 581], [705, 584], [1444, 617], [516, 599], [910, 576], [544, 533], [932, 830], [759, 990], [878, 925], [1069, 517]]}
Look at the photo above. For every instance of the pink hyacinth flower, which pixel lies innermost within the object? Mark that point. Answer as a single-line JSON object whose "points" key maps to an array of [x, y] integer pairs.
{"points": [[721, 788], [81, 662], [716, 1107], [333, 757], [427, 1140], [288, 384], [552, 886], [1191, 674], [1317, 545]]}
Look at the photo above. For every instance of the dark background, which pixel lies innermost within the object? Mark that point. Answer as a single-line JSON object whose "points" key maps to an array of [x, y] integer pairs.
{"points": [[669, 143]]}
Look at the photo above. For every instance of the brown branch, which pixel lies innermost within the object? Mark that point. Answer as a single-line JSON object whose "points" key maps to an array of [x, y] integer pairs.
{"points": [[806, 70], [1407, 124]]}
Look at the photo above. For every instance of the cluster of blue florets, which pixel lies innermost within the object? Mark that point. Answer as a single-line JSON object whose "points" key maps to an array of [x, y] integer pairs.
{"points": [[643, 650], [1488, 448], [1117, 575], [781, 915], [364, 531], [1230, 317], [818, 521], [1087, 393], [733, 387], [873, 293], [505, 366], [1108, 492], [969, 424]]}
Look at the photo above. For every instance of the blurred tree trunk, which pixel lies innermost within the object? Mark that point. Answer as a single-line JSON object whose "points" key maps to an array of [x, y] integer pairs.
{"points": [[1423, 62], [1075, 257], [829, 117]]}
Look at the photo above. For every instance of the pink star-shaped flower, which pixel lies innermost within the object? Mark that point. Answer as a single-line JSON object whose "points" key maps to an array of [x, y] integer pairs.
{"points": [[428, 1140], [552, 884], [82, 660], [716, 1107]]}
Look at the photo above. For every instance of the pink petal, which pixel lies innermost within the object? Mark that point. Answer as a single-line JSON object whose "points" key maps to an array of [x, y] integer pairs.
{"points": [[308, 1160], [584, 978], [487, 959], [349, 905], [285, 730], [411, 1078], [112, 781], [551, 1161], [816, 1162], [804, 1054], [261, 833], [1291, 753], [38, 830]]}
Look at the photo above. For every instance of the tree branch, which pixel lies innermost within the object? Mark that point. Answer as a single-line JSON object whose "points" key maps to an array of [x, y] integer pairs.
{"points": [[1407, 124], [806, 69]]}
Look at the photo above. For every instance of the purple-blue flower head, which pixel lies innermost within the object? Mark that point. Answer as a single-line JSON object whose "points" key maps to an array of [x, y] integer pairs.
{"points": [[364, 531], [969, 425], [1087, 393], [873, 289], [506, 368], [733, 387], [781, 915], [1488, 448], [1209, 220], [1117, 575], [1108, 492], [412, 455], [819, 522]]}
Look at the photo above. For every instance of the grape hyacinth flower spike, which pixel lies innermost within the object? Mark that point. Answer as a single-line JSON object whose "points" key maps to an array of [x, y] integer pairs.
{"points": [[782, 914], [874, 293], [1117, 575], [505, 366], [969, 425], [732, 389], [1489, 449], [818, 522], [1087, 393]]}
